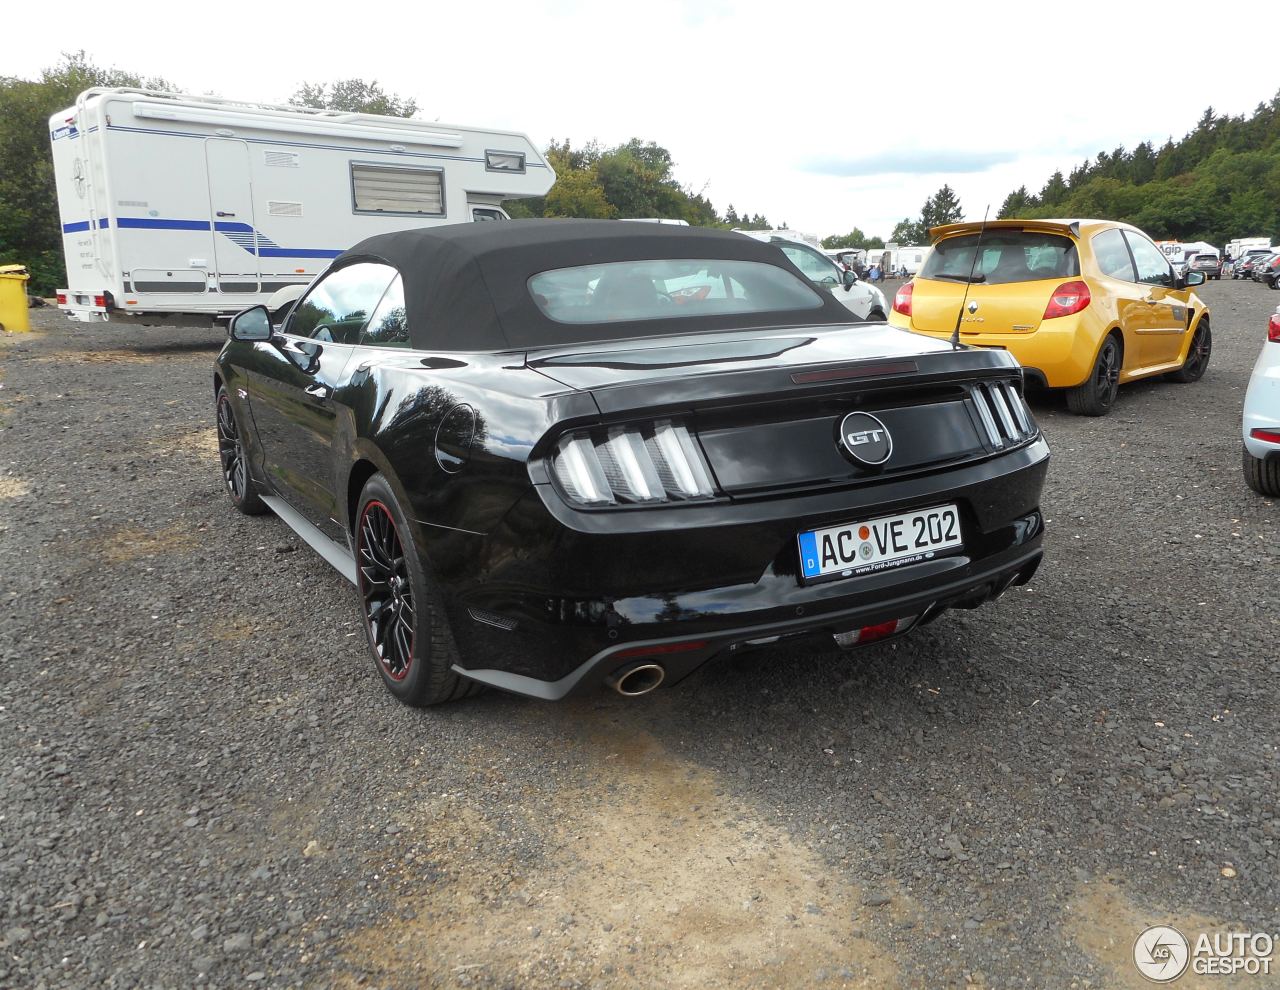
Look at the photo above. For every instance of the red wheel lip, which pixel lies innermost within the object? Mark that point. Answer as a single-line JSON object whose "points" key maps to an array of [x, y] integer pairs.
{"points": [[360, 586]]}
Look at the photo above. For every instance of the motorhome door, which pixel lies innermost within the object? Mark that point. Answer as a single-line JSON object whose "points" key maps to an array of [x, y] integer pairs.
{"points": [[235, 238]]}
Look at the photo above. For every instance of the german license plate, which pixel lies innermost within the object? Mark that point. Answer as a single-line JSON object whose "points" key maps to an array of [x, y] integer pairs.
{"points": [[879, 544]]}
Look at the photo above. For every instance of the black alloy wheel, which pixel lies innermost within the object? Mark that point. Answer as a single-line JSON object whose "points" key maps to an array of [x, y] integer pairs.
{"points": [[1197, 362], [385, 590], [233, 460], [403, 623], [1096, 395]]}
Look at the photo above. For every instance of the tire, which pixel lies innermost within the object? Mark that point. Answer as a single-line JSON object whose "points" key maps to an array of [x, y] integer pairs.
{"points": [[237, 476], [1197, 362], [1263, 476], [1097, 393], [413, 655]]}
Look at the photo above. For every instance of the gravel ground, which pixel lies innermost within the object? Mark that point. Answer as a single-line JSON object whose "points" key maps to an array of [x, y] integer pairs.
{"points": [[203, 782]]}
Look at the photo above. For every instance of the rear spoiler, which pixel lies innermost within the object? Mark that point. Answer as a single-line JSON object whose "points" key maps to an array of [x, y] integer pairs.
{"points": [[1066, 228]]}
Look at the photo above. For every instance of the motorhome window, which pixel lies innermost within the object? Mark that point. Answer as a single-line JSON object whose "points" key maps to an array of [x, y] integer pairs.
{"points": [[337, 308], [622, 291], [1007, 256], [504, 161], [388, 326], [393, 189]]}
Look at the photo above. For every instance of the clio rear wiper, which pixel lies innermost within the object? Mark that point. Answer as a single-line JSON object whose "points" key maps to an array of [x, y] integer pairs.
{"points": [[978, 277]]}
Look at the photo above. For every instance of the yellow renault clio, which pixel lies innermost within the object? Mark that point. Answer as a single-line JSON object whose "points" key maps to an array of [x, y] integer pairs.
{"points": [[1084, 305]]}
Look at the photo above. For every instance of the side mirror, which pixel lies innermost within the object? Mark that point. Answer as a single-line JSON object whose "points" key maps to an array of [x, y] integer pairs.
{"points": [[850, 279], [251, 324], [1193, 278]]}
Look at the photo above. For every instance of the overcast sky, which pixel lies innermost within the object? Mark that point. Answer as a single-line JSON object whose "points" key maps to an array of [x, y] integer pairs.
{"points": [[825, 115]]}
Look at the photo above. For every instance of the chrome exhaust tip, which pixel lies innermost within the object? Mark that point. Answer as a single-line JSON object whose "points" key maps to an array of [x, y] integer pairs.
{"points": [[637, 680]]}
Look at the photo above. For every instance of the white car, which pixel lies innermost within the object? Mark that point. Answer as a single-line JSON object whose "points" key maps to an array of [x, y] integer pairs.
{"points": [[862, 299], [1262, 416]]}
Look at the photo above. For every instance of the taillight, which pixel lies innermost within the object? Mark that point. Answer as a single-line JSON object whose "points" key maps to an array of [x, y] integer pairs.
{"points": [[647, 464], [1068, 298], [902, 299], [62, 298], [100, 301], [1273, 328]]}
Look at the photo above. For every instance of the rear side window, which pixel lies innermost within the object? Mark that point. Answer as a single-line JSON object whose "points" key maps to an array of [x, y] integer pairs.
{"points": [[1112, 256], [1153, 266], [815, 267], [1006, 256], [397, 190], [623, 291]]}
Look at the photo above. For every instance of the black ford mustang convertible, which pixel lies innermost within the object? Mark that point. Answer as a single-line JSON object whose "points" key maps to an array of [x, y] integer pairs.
{"points": [[555, 454]]}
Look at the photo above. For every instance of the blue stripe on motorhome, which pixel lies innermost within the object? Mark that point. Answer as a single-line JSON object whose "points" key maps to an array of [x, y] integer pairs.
{"points": [[303, 144], [240, 233]]}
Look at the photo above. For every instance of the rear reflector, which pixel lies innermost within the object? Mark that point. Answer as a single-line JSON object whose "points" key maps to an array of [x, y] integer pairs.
{"points": [[660, 649], [1068, 298], [1273, 328], [1270, 436], [869, 634]]}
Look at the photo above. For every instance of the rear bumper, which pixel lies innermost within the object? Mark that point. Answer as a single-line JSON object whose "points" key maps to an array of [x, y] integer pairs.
{"points": [[545, 603], [1059, 352], [969, 591]]}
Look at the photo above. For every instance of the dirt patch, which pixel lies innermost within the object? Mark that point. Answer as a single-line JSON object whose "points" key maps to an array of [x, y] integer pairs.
{"points": [[130, 543], [198, 443], [657, 879], [1104, 922], [14, 487]]}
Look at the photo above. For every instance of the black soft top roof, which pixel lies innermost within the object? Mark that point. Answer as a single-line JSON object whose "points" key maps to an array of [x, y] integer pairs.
{"points": [[466, 284]]}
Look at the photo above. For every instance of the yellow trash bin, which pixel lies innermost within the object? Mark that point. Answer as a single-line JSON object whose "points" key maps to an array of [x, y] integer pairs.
{"points": [[13, 298]]}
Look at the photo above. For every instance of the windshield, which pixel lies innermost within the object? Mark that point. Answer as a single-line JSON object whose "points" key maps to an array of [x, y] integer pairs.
{"points": [[623, 291], [1007, 256]]}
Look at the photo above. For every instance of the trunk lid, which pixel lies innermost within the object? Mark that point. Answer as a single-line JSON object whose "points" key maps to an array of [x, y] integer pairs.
{"points": [[766, 407], [1014, 307]]}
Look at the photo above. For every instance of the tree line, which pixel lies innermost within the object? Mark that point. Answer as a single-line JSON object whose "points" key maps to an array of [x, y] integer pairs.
{"points": [[942, 207], [1221, 181]]}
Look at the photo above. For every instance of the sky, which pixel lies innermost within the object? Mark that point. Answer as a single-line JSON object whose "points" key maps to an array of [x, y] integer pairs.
{"points": [[826, 116]]}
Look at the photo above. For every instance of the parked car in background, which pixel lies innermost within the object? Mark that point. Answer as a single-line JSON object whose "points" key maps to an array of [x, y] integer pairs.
{"points": [[1208, 265], [1084, 305], [1243, 267], [556, 454], [1262, 416], [858, 296], [1262, 266], [1271, 272]]}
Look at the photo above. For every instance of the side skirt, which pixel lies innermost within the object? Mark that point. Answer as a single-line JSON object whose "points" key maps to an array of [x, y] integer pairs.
{"points": [[338, 556]]}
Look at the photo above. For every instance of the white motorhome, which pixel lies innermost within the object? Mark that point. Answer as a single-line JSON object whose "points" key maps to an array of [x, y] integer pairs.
{"points": [[191, 208], [911, 258], [1240, 246]]}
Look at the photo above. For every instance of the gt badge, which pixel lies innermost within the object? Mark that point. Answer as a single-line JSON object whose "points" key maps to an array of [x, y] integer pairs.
{"points": [[865, 439]]}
